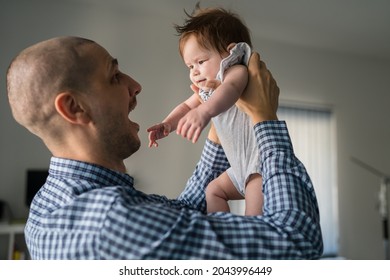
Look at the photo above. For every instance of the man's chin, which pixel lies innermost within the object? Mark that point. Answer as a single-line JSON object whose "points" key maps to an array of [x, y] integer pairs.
{"points": [[134, 147]]}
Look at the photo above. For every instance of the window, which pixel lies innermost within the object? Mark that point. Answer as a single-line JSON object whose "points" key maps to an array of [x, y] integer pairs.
{"points": [[312, 133]]}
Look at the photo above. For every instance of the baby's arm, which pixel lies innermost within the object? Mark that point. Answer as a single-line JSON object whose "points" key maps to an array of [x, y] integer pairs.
{"points": [[225, 96], [169, 124]]}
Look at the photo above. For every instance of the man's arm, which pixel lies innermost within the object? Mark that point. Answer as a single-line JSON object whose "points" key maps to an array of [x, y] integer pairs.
{"points": [[213, 162]]}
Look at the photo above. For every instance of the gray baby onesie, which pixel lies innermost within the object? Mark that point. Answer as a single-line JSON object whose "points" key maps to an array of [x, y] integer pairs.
{"points": [[235, 129]]}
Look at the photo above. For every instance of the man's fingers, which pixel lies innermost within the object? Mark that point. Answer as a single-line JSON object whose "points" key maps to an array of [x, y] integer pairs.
{"points": [[194, 88], [212, 84], [254, 62]]}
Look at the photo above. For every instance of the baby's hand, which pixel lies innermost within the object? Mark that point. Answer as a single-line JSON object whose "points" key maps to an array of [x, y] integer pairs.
{"points": [[191, 125], [158, 131]]}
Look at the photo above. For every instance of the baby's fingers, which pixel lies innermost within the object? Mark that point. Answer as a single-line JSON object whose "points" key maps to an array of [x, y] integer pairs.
{"points": [[154, 127]]}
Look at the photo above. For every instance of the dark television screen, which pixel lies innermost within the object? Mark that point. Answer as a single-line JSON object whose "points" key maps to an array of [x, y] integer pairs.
{"points": [[35, 180]]}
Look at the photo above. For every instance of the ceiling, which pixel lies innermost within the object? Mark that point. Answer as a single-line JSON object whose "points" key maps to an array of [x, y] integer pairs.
{"points": [[359, 27]]}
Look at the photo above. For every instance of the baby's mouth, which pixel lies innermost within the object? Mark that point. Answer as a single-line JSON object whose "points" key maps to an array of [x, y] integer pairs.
{"points": [[201, 82]]}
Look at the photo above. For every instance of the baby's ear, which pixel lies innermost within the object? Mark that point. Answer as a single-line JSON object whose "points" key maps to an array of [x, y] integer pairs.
{"points": [[231, 45]]}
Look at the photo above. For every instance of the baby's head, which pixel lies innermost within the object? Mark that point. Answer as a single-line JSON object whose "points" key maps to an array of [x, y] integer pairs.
{"points": [[214, 28]]}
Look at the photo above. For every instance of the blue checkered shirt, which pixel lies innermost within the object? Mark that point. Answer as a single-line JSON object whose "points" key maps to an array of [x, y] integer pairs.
{"points": [[85, 211]]}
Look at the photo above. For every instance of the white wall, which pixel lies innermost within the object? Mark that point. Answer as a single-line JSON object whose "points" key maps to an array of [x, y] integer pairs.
{"points": [[142, 38]]}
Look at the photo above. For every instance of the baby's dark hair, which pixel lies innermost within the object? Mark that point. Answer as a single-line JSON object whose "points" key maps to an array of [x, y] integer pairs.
{"points": [[214, 28]]}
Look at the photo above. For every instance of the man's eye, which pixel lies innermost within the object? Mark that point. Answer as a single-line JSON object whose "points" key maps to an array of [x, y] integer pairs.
{"points": [[116, 78]]}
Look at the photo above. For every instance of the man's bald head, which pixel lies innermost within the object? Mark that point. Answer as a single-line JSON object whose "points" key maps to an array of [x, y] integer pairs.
{"points": [[40, 72]]}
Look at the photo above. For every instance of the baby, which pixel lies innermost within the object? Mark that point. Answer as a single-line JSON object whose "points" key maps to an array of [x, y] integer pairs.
{"points": [[216, 46]]}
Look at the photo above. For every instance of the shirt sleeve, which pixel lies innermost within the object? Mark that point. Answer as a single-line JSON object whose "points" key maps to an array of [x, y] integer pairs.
{"points": [[159, 228], [212, 163]]}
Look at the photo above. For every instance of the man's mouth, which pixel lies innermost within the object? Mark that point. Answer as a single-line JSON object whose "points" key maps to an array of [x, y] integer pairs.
{"points": [[136, 125], [132, 105]]}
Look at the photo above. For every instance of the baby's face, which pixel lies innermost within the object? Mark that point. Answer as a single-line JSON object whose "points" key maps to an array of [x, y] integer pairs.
{"points": [[203, 63]]}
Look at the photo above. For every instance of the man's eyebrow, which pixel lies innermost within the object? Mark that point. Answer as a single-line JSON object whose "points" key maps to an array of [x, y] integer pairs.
{"points": [[113, 65]]}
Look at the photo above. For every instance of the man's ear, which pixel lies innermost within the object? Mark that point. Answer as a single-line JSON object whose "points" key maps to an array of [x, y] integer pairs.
{"points": [[70, 108]]}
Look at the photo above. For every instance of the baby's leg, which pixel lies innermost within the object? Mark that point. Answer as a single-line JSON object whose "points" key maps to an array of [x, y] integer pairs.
{"points": [[254, 196], [218, 192]]}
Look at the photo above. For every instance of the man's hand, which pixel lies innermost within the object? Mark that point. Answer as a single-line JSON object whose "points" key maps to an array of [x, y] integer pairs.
{"points": [[260, 97], [209, 85], [213, 136]]}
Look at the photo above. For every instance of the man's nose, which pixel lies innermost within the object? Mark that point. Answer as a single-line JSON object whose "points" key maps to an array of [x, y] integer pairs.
{"points": [[134, 87]]}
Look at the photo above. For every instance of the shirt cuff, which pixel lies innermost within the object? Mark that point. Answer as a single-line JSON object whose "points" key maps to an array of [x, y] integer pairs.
{"points": [[272, 136]]}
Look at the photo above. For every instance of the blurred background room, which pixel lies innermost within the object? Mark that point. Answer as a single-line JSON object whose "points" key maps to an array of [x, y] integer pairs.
{"points": [[331, 60]]}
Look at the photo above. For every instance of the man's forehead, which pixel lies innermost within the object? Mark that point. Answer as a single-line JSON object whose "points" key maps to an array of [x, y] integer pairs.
{"points": [[102, 57]]}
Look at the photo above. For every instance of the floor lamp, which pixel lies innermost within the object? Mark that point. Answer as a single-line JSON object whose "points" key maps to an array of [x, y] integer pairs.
{"points": [[383, 208]]}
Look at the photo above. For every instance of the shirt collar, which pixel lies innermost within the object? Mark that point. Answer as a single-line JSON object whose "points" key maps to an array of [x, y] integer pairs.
{"points": [[87, 171]]}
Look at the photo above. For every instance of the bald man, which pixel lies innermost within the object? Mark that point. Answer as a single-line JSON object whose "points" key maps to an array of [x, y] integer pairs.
{"points": [[71, 93]]}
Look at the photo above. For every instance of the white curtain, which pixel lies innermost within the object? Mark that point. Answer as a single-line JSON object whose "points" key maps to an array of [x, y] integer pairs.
{"points": [[312, 132]]}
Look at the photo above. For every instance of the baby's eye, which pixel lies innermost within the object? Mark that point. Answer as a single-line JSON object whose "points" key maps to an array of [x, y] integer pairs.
{"points": [[191, 66], [201, 62]]}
